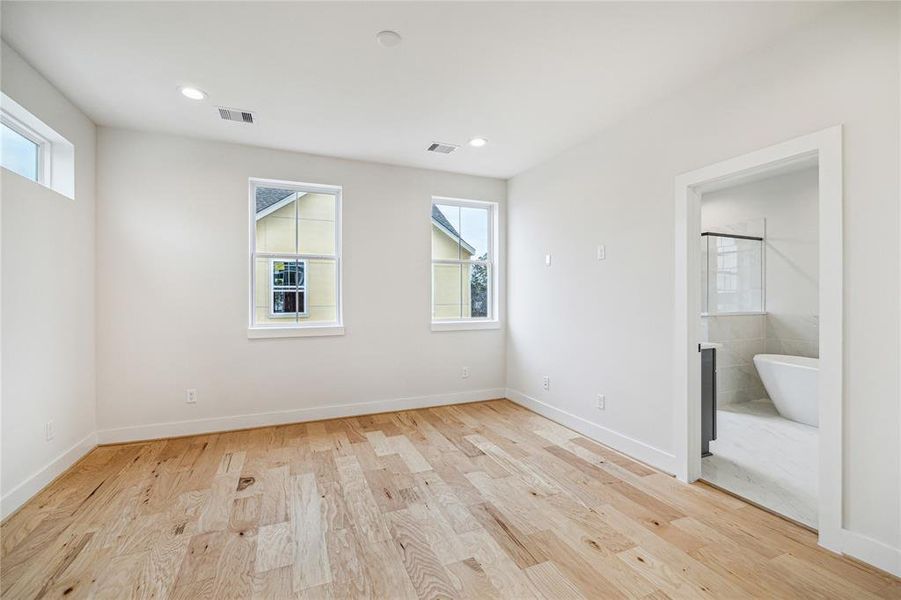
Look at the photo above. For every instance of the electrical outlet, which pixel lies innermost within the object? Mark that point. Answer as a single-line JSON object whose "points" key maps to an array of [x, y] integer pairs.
{"points": [[601, 402], [547, 260], [546, 383], [48, 430], [464, 373], [191, 396], [602, 252]]}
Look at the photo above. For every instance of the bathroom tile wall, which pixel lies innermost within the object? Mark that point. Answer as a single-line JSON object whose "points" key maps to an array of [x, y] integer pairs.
{"points": [[797, 335], [741, 336]]}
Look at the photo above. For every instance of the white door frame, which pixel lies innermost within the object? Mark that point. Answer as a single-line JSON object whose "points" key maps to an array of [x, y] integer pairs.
{"points": [[826, 146]]}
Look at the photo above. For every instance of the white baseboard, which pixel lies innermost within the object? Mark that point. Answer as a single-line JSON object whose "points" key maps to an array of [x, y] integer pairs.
{"points": [[197, 426], [26, 490], [873, 552], [639, 450]]}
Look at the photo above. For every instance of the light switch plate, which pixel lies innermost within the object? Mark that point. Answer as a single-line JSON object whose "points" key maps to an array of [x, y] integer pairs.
{"points": [[547, 260], [602, 252]]}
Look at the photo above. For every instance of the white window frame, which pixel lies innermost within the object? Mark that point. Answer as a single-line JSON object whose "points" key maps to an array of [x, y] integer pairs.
{"points": [[44, 146], [295, 329], [56, 160], [492, 321], [273, 291]]}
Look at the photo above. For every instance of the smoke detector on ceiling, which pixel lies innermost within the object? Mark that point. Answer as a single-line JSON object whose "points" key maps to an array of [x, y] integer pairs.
{"points": [[236, 114], [442, 148]]}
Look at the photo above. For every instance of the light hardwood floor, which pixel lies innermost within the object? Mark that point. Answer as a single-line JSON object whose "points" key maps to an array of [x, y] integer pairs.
{"points": [[483, 500]]}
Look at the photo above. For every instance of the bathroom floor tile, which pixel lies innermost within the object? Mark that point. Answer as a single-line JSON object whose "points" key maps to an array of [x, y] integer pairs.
{"points": [[766, 459]]}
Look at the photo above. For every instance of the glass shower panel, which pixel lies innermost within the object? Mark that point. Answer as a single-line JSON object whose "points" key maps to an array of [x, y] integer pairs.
{"points": [[733, 270]]}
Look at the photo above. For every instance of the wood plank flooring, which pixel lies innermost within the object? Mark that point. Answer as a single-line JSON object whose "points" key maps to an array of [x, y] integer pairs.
{"points": [[483, 500]]}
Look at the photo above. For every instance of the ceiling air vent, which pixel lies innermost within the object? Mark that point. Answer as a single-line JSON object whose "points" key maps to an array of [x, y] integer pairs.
{"points": [[442, 148], [236, 114]]}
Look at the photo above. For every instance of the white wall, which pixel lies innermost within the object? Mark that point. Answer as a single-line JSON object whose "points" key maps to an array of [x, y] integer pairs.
{"points": [[172, 289], [606, 326], [47, 301]]}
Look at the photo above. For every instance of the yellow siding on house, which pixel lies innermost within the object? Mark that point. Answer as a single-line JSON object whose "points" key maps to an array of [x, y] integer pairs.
{"points": [[443, 246], [315, 234], [450, 283]]}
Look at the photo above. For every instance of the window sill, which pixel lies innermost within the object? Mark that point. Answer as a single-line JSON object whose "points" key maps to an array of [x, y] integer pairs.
{"points": [[464, 325], [734, 314], [290, 332]]}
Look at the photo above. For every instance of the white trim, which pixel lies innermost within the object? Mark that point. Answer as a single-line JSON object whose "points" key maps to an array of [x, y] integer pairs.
{"points": [[826, 147], [466, 325], [281, 331], [636, 449], [29, 488], [898, 558], [297, 186], [453, 261], [873, 552], [300, 415], [734, 314], [288, 255]]}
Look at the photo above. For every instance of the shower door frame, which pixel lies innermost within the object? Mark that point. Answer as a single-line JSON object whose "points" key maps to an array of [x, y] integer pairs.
{"points": [[825, 148]]}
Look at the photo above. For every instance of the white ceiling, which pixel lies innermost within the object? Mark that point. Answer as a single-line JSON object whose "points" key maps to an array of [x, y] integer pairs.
{"points": [[532, 78]]}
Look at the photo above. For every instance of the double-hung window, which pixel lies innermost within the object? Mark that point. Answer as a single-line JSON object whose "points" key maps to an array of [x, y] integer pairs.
{"points": [[295, 258], [464, 263]]}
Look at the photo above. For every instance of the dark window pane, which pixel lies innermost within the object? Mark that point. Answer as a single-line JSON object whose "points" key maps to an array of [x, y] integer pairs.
{"points": [[478, 287], [284, 303], [287, 274]]}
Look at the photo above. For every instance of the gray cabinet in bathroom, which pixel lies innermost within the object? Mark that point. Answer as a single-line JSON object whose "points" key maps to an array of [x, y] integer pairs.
{"points": [[708, 399]]}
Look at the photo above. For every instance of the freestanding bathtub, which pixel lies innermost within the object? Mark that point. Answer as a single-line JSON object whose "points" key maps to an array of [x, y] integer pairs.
{"points": [[791, 382]]}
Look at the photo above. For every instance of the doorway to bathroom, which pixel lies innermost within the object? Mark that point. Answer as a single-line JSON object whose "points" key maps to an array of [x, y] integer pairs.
{"points": [[762, 233], [760, 332]]}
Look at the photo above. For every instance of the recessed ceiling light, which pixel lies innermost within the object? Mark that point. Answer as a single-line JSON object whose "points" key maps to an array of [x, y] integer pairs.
{"points": [[477, 142], [192, 92], [388, 38]]}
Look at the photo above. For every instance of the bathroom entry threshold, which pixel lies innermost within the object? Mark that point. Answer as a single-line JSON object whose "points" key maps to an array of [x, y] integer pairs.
{"points": [[758, 505]]}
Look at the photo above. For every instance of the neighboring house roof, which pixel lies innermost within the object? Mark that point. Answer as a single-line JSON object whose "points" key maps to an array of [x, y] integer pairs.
{"points": [[269, 200], [266, 197], [445, 226]]}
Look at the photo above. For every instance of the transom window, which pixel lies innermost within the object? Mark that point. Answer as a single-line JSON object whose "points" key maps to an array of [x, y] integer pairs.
{"points": [[34, 150], [23, 150], [295, 255], [464, 267]]}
